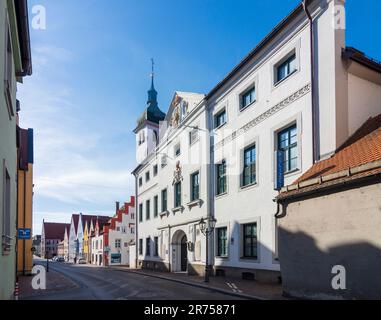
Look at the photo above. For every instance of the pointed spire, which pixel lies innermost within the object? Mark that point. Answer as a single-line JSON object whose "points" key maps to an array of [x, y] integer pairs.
{"points": [[152, 93]]}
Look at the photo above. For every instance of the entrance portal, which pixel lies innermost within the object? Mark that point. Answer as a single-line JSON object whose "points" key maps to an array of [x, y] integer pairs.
{"points": [[179, 252]]}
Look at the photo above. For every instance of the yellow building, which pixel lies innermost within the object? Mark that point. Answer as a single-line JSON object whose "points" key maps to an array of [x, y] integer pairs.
{"points": [[25, 202], [86, 247]]}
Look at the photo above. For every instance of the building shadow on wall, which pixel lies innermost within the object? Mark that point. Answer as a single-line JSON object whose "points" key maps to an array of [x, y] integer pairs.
{"points": [[307, 270]]}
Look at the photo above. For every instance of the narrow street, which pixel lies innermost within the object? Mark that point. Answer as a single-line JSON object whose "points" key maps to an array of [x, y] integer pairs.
{"points": [[96, 283]]}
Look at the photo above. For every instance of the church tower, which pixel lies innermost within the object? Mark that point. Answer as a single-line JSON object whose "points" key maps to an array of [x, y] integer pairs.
{"points": [[147, 130]]}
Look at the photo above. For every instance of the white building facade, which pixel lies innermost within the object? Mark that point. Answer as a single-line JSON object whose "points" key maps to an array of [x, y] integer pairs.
{"points": [[262, 126], [121, 234]]}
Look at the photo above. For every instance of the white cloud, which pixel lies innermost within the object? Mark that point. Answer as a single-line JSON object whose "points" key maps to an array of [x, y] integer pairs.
{"points": [[70, 165]]}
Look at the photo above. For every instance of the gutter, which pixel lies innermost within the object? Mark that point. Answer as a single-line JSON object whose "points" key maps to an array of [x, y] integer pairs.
{"points": [[21, 7], [314, 185], [274, 32]]}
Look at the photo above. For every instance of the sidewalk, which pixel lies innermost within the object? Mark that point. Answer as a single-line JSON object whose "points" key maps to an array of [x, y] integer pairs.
{"points": [[55, 281], [234, 286]]}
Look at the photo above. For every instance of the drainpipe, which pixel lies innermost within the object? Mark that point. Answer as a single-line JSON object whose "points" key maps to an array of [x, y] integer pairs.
{"points": [[136, 221], [313, 80]]}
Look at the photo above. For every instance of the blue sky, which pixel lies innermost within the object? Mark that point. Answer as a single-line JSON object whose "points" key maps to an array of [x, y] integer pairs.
{"points": [[91, 76]]}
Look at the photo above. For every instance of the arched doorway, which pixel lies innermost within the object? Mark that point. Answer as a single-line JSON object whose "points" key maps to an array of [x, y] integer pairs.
{"points": [[179, 252]]}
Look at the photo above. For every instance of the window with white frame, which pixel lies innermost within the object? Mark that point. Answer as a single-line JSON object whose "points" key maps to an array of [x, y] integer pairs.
{"points": [[250, 243], [118, 243], [285, 67], [193, 135], [163, 161], [8, 79], [288, 144], [220, 118], [222, 242], [249, 166], [6, 232], [177, 150], [247, 97], [221, 178]]}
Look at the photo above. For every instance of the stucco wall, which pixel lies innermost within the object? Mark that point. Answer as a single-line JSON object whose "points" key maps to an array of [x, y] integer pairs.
{"points": [[7, 157], [336, 229], [364, 101]]}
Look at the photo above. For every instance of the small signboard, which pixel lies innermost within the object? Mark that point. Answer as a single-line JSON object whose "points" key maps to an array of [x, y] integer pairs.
{"points": [[24, 234], [116, 258]]}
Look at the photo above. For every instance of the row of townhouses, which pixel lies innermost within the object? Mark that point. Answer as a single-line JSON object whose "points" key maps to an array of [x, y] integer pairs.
{"points": [[16, 149], [93, 239], [210, 168]]}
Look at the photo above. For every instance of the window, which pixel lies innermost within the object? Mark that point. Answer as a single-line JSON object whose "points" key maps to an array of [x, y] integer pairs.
{"points": [[285, 68], [155, 169], [155, 206], [220, 119], [287, 142], [193, 135], [140, 246], [164, 200], [141, 212], [247, 98], [195, 186], [221, 178], [132, 230], [249, 166], [163, 161], [117, 228], [6, 232], [123, 229], [177, 194], [147, 176], [140, 182], [117, 243], [148, 207], [250, 246], [222, 242], [177, 150], [156, 248], [8, 71], [148, 247]]}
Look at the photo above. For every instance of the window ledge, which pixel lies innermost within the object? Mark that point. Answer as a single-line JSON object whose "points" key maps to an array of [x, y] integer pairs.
{"points": [[164, 213], [248, 186], [194, 203], [218, 196], [220, 126], [285, 78], [291, 172], [177, 209], [248, 259], [241, 109]]}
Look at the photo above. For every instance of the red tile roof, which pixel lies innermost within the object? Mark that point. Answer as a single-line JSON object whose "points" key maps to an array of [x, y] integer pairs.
{"points": [[358, 157], [55, 230], [363, 147]]}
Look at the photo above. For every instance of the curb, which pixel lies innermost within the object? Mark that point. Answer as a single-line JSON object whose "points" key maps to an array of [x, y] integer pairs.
{"points": [[194, 284]]}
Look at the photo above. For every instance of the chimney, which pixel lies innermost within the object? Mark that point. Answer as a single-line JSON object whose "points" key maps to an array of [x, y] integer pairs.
{"points": [[117, 205]]}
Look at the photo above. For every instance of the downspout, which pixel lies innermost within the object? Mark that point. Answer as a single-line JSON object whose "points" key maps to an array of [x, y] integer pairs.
{"points": [[313, 80], [136, 221]]}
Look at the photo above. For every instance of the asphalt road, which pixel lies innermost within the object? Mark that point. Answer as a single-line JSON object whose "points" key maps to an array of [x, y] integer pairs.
{"points": [[93, 283]]}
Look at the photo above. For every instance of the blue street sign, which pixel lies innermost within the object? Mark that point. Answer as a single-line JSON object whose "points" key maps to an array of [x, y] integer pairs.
{"points": [[279, 170], [24, 234]]}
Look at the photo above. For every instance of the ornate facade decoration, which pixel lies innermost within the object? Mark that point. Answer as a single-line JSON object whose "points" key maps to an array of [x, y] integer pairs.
{"points": [[281, 105], [177, 174]]}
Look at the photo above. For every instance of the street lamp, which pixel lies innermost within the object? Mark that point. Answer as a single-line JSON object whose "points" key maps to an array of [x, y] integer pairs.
{"points": [[207, 227]]}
